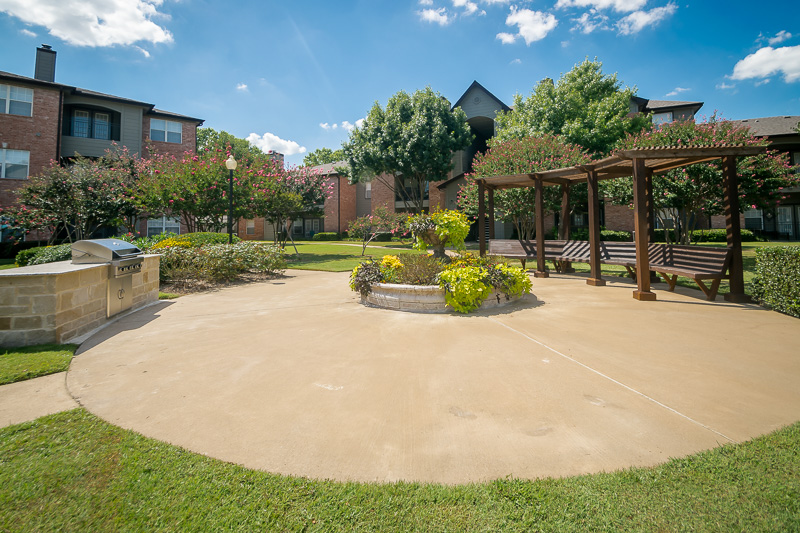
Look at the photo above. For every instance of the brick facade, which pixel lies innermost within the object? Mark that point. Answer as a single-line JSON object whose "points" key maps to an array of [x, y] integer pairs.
{"points": [[618, 217], [340, 208], [37, 134], [188, 138]]}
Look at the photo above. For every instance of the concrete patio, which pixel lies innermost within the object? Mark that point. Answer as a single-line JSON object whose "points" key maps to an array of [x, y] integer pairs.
{"points": [[295, 376]]}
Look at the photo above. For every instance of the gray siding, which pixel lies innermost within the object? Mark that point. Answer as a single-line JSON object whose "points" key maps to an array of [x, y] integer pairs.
{"points": [[485, 107], [130, 129]]}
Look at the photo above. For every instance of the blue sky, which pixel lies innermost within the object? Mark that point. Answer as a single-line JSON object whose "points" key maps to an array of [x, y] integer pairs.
{"points": [[294, 76]]}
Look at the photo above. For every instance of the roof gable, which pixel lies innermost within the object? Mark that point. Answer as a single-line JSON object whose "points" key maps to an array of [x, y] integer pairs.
{"points": [[476, 90]]}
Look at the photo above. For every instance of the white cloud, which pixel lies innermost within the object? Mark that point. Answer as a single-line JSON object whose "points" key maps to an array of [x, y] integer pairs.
{"points": [[621, 6], [533, 25], [27, 32], [588, 22], [360, 122], [763, 82], [516, 61], [437, 16], [327, 127], [781, 36], [493, 2], [269, 141], [637, 21], [93, 22], [507, 38], [469, 7], [144, 52], [769, 61], [724, 86], [241, 87], [677, 90], [426, 2]]}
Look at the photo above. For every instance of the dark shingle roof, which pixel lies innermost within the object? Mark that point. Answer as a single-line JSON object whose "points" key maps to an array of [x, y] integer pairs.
{"points": [[329, 168], [782, 125]]}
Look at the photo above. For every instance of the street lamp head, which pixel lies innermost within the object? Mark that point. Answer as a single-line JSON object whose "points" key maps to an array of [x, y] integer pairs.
{"points": [[230, 163]]}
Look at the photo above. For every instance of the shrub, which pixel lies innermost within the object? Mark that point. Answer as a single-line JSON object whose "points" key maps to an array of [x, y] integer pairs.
{"points": [[719, 235], [383, 237], [419, 269], [465, 287], [220, 262], [45, 254], [611, 235], [364, 275], [777, 279], [326, 236]]}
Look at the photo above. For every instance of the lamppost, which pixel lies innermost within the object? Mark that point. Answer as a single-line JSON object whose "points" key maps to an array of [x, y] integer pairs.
{"points": [[231, 164]]}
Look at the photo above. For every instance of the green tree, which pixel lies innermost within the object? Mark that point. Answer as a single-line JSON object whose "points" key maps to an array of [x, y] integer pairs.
{"points": [[687, 194], [522, 156], [408, 144], [587, 107], [209, 139], [323, 156]]}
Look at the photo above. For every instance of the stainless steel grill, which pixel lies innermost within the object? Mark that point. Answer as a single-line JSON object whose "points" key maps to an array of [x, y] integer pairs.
{"points": [[124, 260]]}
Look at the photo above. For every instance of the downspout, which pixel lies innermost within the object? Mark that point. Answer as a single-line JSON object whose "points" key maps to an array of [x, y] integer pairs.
{"points": [[339, 206], [60, 119]]}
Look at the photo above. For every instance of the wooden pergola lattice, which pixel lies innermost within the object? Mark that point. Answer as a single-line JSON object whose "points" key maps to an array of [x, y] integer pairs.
{"points": [[641, 164]]}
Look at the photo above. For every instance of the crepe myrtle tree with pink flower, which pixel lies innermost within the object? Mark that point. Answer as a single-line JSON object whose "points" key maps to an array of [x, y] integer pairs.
{"points": [[688, 194], [522, 156]]}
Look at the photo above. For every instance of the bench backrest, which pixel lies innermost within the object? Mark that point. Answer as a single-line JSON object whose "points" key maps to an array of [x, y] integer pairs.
{"points": [[515, 247], [697, 258], [618, 251]]}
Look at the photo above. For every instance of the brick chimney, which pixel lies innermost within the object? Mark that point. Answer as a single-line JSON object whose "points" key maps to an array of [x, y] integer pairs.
{"points": [[45, 63]]}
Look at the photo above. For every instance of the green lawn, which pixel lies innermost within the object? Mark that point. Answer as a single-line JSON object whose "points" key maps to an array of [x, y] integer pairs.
{"points": [[73, 472], [341, 256], [19, 364], [7, 263]]}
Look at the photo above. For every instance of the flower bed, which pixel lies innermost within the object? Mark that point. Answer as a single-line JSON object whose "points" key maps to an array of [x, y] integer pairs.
{"points": [[426, 284]]}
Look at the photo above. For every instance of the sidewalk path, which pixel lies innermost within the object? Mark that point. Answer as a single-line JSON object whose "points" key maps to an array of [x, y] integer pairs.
{"points": [[27, 400]]}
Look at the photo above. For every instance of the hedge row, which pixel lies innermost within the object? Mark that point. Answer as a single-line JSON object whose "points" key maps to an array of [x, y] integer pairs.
{"points": [[44, 254], [776, 283], [326, 236]]}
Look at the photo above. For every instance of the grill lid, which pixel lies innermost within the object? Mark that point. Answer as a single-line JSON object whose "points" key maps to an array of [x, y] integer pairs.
{"points": [[102, 251]]}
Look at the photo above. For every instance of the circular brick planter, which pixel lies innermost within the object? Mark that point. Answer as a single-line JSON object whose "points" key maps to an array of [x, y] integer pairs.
{"points": [[422, 298]]}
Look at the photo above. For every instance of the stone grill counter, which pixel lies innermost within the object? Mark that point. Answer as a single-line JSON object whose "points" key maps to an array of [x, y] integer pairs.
{"points": [[58, 302]]}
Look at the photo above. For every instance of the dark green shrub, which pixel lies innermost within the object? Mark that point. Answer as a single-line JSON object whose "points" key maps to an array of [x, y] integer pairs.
{"points": [[205, 238], [44, 254], [619, 236], [220, 262], [383, 237], [777, 279], [9, 250], [326, 236], [364, 275], [719, 235], [419, 269]]}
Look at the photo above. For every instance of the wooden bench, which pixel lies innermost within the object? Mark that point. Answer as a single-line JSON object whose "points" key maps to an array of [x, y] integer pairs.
{"points": [[524, 250], [697, 263]]}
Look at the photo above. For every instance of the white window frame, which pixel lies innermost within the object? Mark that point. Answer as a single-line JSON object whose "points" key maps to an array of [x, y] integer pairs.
{"points": [[754, 214], [368, 190], [96, 121], [164, 224], [250, 227], [168, 129], [4, 157], [6, 92]]}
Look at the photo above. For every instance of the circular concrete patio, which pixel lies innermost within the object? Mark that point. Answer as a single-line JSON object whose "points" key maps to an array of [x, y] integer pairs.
{"points": [[295, 376]]}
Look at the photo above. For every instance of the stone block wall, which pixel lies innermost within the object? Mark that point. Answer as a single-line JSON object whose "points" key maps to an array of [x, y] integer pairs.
{"points": [[58, 302]]}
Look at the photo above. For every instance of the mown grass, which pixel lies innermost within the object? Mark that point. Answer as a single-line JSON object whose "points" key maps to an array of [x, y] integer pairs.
{"points": [[339, 257], [19, 364], [73, 472], [7, 263]]}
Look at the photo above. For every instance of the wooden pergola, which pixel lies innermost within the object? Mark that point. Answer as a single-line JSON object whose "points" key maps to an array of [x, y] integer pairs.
{"points": [[641, 164]]}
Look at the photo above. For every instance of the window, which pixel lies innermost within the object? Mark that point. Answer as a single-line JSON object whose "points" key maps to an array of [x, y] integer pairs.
{"points": [[662, 118], [368, 192], [81, 123], [91, 124], [754, 219], [14, 164], [297, 227], [250, 227], [165, 131], [157, 226], [16, 100]]}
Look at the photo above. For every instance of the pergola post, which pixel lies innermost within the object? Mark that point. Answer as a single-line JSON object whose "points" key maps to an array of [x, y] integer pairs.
{"points": [[595, 277], [541, 272], [491, 212], [640, 225], [733, 230], [481, 219], [651, 214], [564, 225]]}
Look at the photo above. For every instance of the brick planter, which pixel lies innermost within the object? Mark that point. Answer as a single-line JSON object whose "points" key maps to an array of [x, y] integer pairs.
{"points": [[421, 298]]}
